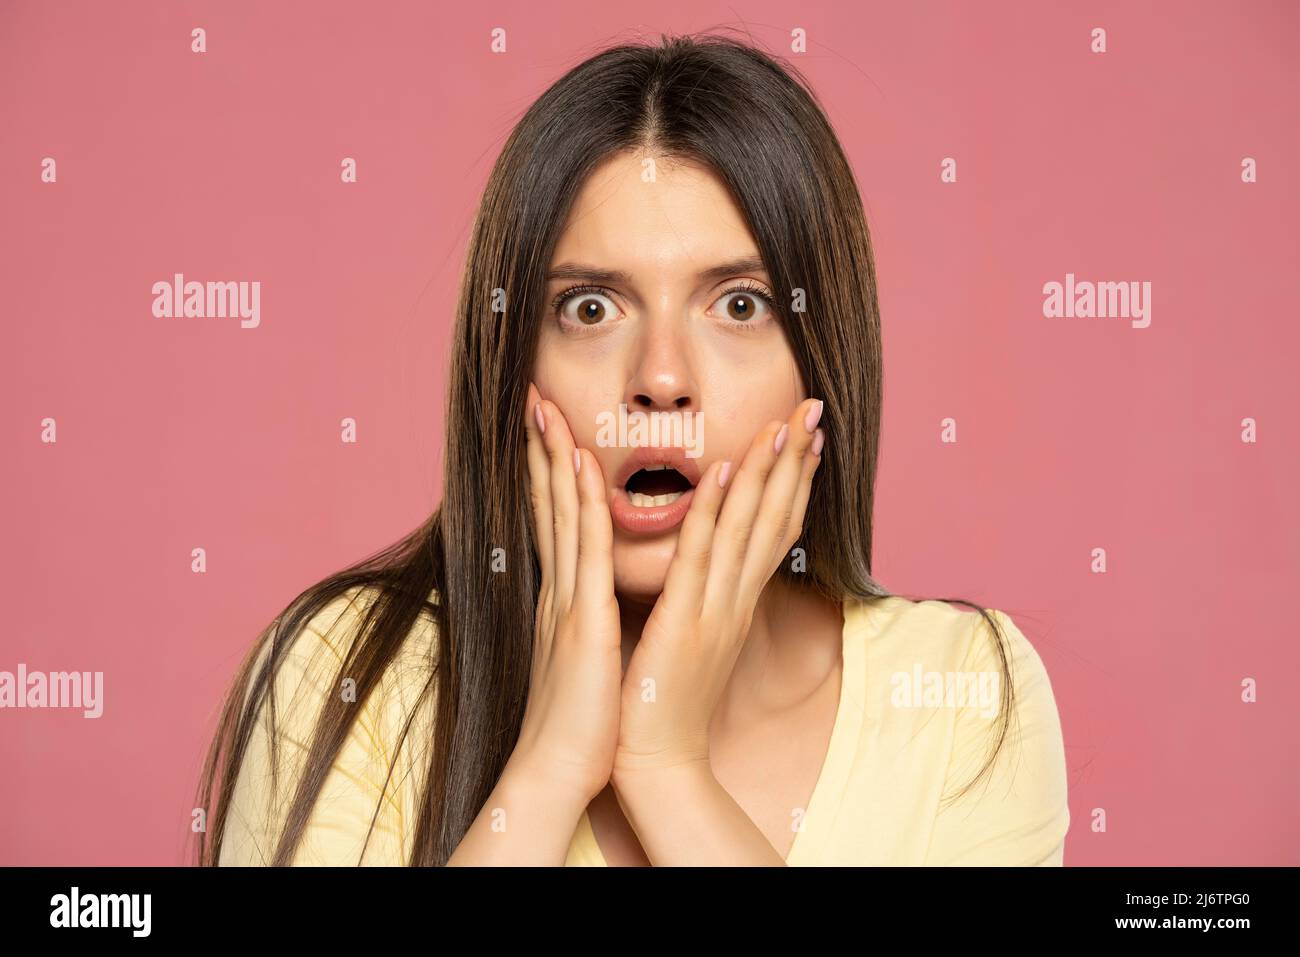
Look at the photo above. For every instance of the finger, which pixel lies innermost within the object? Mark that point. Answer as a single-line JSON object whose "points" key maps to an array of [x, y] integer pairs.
{"points": [[739, 510], [539, 496], [539, 486], [811, 461], [776, 509], [564, 502], [689, 569], [595, 564]]}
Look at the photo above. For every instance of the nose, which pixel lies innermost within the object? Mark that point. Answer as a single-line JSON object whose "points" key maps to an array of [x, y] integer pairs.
{"points": [[662, 380]]}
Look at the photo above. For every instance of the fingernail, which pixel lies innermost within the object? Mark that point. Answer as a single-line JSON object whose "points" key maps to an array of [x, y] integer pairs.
{"points": [[723, 474], [818, 441], [537, 414], [577, 462], [814, 416], [780, 437]]}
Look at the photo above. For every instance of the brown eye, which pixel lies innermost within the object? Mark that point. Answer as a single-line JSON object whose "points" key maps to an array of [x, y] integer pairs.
{"points": [[584, 307], [742, 307], [746, 306], [590, 310]]}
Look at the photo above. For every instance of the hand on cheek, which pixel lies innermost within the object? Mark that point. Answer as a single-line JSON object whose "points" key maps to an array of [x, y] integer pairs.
{"points": [[570, 724], [741, 524]]}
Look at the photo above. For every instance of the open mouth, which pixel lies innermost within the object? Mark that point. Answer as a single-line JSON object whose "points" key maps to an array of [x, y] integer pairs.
{"points": [[656, 485]]}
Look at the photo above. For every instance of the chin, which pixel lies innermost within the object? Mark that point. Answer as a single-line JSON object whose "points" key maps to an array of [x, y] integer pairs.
{"points": [[641, 568]]}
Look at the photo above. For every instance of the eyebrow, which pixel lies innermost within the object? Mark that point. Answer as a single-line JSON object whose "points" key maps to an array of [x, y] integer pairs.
{"points": [[594, 274]]}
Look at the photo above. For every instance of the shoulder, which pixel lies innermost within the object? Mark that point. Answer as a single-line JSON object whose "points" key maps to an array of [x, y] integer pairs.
{"points": [[997, 745], [367, 799], [320, 652], [900, 633], [338, 621], [952, 643]]}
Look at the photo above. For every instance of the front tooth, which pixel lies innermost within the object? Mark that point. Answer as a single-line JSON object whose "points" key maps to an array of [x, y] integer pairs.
{"points": [[655, 468], [653, 501]]}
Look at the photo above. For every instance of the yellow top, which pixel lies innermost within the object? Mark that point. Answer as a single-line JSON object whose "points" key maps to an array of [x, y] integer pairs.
{"points": [[918, 709]]}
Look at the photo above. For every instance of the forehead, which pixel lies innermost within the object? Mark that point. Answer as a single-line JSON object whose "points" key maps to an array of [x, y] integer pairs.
{"points": [[637, 213]]}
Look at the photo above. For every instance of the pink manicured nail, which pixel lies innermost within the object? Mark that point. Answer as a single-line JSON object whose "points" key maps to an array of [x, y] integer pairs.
{"points": [[780, 438], [577, 462], [537, 413], [723, 473], [814, 415], [819, 439]]}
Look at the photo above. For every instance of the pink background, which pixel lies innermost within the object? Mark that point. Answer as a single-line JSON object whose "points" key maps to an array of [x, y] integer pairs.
{"points": [[1073, 433]]}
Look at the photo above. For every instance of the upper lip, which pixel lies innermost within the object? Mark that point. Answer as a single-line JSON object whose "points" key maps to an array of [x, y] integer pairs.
{"points": [[643, 455]]}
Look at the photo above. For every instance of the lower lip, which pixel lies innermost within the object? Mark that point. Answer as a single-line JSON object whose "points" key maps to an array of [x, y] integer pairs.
{"points": [[648, 521]]}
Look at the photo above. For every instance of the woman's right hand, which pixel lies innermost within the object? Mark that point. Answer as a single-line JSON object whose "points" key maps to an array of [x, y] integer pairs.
{"points": [[570, 727]]}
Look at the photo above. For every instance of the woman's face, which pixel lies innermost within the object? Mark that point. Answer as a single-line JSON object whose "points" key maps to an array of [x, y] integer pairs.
{"points": [[663, 351]]}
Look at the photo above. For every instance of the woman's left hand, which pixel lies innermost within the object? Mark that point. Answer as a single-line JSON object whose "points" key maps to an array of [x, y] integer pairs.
{"points": [[723, 560]]}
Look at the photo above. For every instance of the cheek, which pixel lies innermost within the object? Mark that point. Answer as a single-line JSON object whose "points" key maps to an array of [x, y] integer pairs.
{"points": [[580, 388], [740, 403]]}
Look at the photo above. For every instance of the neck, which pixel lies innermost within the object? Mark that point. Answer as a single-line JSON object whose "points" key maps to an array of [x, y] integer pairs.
{"points": [[793, 645]]}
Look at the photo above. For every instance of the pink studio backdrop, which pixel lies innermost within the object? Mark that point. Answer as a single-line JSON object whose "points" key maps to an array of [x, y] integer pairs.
{"points": [[1073, 433]]}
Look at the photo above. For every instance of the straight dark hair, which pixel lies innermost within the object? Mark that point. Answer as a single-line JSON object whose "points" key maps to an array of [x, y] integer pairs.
{"points": [[706, 99]]}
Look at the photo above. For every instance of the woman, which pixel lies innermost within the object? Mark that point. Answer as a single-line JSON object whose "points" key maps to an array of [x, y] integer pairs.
{"points": [[641, 628]]}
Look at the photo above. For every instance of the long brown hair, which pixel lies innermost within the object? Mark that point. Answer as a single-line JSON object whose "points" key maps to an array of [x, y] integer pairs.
{"points": [[757, 124]]}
